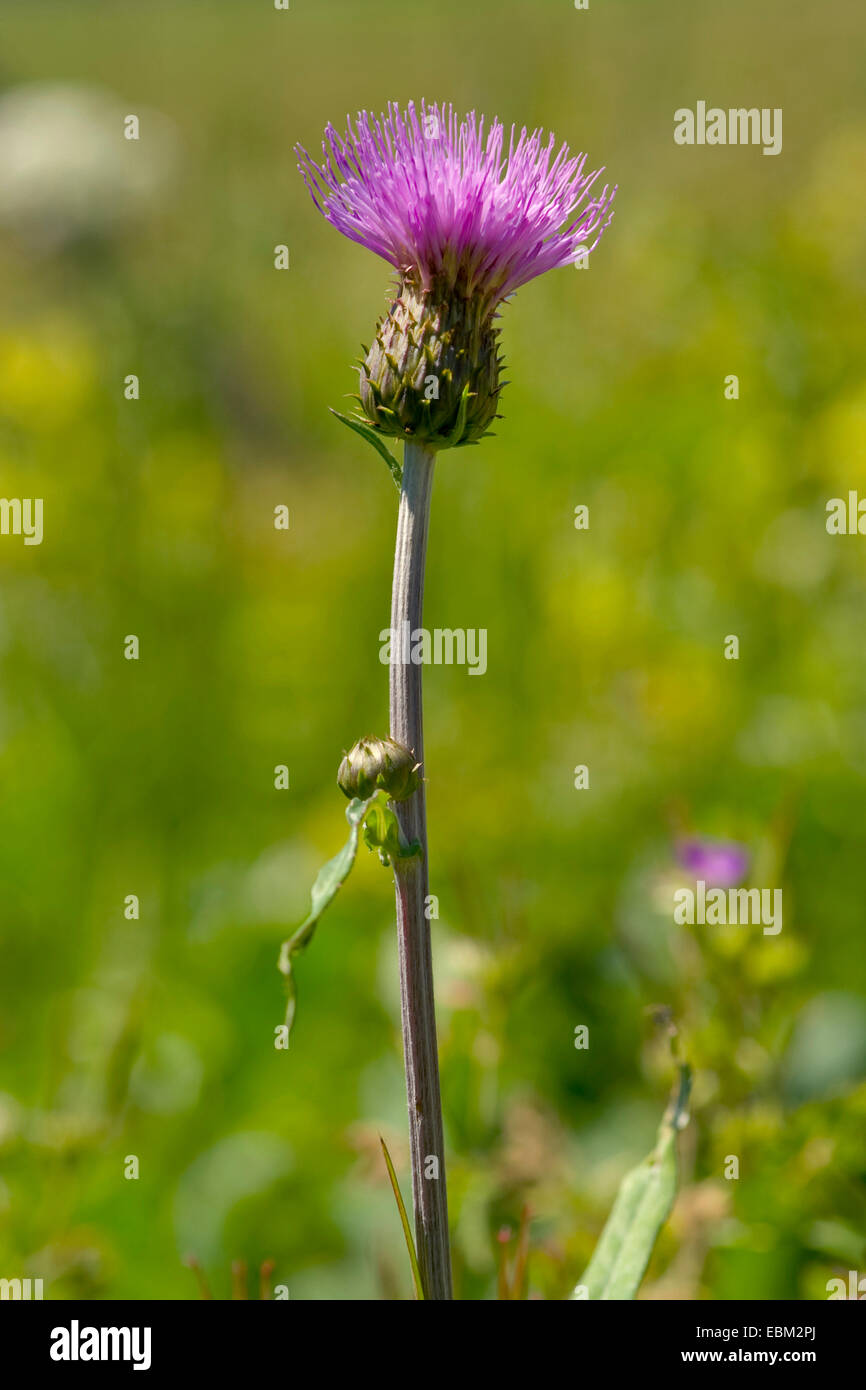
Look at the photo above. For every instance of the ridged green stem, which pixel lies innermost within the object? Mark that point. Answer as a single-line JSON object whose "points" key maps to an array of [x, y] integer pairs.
{"points": [[411, 880]]}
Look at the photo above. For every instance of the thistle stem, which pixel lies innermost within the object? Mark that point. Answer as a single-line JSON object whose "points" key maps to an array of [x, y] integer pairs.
{"points": [[418, 1013]]}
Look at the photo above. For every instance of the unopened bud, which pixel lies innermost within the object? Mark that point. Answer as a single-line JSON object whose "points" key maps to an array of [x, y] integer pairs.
{"points": [[379, 764]]}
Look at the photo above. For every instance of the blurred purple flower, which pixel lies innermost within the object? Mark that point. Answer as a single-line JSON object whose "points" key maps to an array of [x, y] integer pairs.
{"points": [[718, 864], [445, 202]]}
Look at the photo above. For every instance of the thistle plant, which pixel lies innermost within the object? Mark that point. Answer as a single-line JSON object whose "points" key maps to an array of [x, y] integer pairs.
{"points": [[465, 215]]}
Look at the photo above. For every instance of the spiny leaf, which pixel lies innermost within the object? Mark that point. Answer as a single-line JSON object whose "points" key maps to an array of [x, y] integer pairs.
{"points": [[367, 432], [642, 1206], [404, 1221]]}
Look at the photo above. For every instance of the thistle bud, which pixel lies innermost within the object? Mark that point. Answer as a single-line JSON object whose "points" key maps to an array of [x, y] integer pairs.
{"points": [[378, 764], [432, 373]]}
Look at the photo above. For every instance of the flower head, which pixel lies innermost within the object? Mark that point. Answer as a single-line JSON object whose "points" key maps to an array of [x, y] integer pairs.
{"points": [[465, 216], [444, 201], [720, 865]]}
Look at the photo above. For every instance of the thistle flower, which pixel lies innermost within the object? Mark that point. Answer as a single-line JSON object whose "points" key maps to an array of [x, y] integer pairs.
{"points": [[465, 219]]}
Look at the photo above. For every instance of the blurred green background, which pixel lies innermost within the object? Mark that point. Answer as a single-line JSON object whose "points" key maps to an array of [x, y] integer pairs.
{"points": [[258, 647]]}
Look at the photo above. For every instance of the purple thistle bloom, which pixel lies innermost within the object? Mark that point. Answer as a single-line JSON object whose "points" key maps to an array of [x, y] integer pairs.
{"points": [[719, 865], [450, 205]]}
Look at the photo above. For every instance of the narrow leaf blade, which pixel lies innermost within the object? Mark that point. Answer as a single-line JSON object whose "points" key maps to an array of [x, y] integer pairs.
{"points": [[367, 432], [329, 881], [404, 1221], [410, 1244], [642, 1207]]}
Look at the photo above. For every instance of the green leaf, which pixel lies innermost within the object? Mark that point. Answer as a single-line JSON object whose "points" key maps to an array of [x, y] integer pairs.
{"points": [[367, 432], [329, 881], [382, 832], [404, 1221], [642, 1206]]}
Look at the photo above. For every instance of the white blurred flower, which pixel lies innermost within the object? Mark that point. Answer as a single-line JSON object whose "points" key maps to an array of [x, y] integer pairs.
{"points": [[66, 168]]}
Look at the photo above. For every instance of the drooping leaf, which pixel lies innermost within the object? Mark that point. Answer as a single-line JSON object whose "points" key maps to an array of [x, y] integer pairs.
{"points": [[404, 1221], [329, 881], [642, 1206], [381, 832], [367, 432]]}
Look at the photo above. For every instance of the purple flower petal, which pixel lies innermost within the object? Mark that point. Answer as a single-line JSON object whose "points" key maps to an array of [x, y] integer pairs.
{"points": [[719, 864], [440, 199]]}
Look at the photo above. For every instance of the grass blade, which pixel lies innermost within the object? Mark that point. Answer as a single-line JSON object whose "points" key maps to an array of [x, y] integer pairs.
{"points": [[404, 1222]]}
